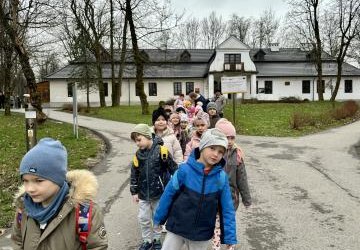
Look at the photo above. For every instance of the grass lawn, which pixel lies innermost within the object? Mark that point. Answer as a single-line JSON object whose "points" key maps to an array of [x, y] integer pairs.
{"points": [[265, 119], [13, 147]]}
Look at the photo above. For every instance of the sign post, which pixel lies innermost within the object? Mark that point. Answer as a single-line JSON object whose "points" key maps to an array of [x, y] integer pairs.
{"points": [[75, 112], [233, 85]]}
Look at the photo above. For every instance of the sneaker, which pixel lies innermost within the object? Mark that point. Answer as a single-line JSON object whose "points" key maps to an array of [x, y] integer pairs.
{"points": [[156, 245], [163, 229], [146, 246]]}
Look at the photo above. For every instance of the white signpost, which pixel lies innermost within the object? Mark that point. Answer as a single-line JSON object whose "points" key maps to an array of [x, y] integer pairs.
{"points": [[233, 85], [75, 112]]}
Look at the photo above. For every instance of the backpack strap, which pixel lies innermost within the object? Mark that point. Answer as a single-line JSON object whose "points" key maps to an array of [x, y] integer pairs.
{"points": [[164, 152], [83, 222]]}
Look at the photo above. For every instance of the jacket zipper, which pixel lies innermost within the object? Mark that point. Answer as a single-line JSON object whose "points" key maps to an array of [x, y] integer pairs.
{"points": [[201, 199]]}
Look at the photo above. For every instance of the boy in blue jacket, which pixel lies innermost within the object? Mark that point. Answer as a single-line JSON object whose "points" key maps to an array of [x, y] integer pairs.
{"points": [[197, 190]]}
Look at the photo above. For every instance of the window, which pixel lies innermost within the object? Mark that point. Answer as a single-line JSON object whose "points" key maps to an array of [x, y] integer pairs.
{"points": [[189, 87], [348, 86], [287, 83], [306, 87], [268, 87], [232, 58], [152, 89], [232, 62], [257, 87], [106, 89], [323, 86], [177, 88], [70, 89]]}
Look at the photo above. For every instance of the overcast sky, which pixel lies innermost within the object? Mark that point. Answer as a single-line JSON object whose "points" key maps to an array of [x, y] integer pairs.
{"points": [[246, 8]]}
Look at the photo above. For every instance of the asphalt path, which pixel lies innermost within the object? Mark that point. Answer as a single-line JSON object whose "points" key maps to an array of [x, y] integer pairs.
{"points": [[306, 191]]}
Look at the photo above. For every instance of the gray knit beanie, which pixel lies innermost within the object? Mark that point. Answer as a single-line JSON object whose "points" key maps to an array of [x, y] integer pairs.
{"points": [[142, 129], [211, 105], [48, 160], [213, 137]]}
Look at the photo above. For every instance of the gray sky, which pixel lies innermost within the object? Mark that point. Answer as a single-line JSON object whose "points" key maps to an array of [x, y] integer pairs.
{"points": [[202, 8]]}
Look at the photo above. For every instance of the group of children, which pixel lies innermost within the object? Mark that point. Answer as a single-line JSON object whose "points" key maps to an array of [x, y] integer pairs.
{"points": [[189, 176]]}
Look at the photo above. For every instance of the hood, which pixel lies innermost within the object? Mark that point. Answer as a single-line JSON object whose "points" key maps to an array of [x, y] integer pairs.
{"points": [[167, 131], [199, 167], [83, 187]]}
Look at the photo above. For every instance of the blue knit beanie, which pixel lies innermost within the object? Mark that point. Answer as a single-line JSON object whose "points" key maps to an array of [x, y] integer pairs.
{"points": [[48, 159]]}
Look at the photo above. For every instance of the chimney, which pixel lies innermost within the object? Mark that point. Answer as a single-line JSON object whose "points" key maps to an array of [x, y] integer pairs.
{"points": [[274, 46]]}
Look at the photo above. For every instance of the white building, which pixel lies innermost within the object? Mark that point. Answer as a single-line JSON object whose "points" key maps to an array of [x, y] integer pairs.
{"points": [[271, 74]]}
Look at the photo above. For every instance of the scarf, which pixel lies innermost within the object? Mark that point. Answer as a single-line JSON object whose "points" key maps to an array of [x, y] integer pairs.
{"points": [[44, 214]]}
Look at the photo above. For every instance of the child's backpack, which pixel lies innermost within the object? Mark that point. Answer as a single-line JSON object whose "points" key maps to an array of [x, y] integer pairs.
{"points": [[83, 214]]}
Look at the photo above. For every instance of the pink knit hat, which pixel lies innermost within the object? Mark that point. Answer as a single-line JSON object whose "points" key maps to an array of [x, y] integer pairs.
{"points": [[226, 127], [174, 115]]}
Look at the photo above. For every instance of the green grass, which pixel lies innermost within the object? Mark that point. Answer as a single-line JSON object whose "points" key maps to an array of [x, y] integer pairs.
{"points": [[265, 119], [13, 147]]}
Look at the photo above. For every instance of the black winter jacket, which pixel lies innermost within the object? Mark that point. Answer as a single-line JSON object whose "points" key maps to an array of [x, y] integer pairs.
{"points": [[147, 179]]}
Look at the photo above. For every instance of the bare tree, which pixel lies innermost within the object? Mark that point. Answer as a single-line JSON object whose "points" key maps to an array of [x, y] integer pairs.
{"points": [[138, 59], [304, 17], [348, 26], [89, 20], [240, 27], [264, 29], [16, 18], [188, 34], [213, 29]]}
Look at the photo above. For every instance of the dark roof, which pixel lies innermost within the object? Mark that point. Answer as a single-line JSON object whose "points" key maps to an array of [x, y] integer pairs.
{"points": [[286, 55], [179, 70], [268, 69]]}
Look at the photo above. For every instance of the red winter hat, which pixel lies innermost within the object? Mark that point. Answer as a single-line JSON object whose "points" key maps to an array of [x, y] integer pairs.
{"points": [[226, 127]]}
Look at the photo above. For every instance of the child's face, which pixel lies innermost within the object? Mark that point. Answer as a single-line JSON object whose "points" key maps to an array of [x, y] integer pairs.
{"points": [[211, 155], [143, 142], [231, 141], [39, 189], [201, 127], [160, 124], [212, 112], [175, 121], [183, 124]]}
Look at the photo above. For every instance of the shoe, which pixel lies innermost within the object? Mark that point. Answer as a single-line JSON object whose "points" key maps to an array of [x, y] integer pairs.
{"points": [[146, 246], [163, 229], [156, 245]]}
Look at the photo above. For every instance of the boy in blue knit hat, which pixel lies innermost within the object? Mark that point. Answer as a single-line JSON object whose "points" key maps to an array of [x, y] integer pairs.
{"points": [[48, 204], [197, 190]]}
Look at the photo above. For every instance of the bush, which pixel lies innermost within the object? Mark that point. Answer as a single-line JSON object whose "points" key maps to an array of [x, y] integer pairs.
{"points": [[348, 109], [300, 119], [290, 99]]}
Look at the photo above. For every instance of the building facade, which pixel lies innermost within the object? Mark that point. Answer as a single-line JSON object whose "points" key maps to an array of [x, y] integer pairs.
{"points": [[271, 74]]}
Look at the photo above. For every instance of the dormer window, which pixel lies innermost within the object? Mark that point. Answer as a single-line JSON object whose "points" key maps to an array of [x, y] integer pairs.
{"points": [[232, 62], [260, 55], [185, 56]]}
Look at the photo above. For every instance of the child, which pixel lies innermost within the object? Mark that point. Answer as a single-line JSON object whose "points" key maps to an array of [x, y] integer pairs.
{"points": [[200, 124], [194, 194], [235, 168], [185, 132], [161, 129], [148, 173], [213, 115], [47, 206], [175, 124]]}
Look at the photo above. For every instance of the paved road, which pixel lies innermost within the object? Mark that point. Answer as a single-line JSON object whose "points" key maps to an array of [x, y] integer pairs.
{"points": [[306, 191]]}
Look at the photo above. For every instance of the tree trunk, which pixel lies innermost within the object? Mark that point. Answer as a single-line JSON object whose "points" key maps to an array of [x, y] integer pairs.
{"points": [[123, 55], [24, 60], [139, 62], [318, 51], [114, 84]]}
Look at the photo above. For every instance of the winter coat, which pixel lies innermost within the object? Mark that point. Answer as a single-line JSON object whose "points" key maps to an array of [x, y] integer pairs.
{"points": [[192, 144], [172, 144], [184, 139], [147, 179], [220, 103], [60, 231], [213, 120], [192, 199], [204, 101], [235, 168]]}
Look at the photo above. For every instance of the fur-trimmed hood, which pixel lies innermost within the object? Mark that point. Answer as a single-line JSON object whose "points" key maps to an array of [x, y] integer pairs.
{"points": [[83, 187]]}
